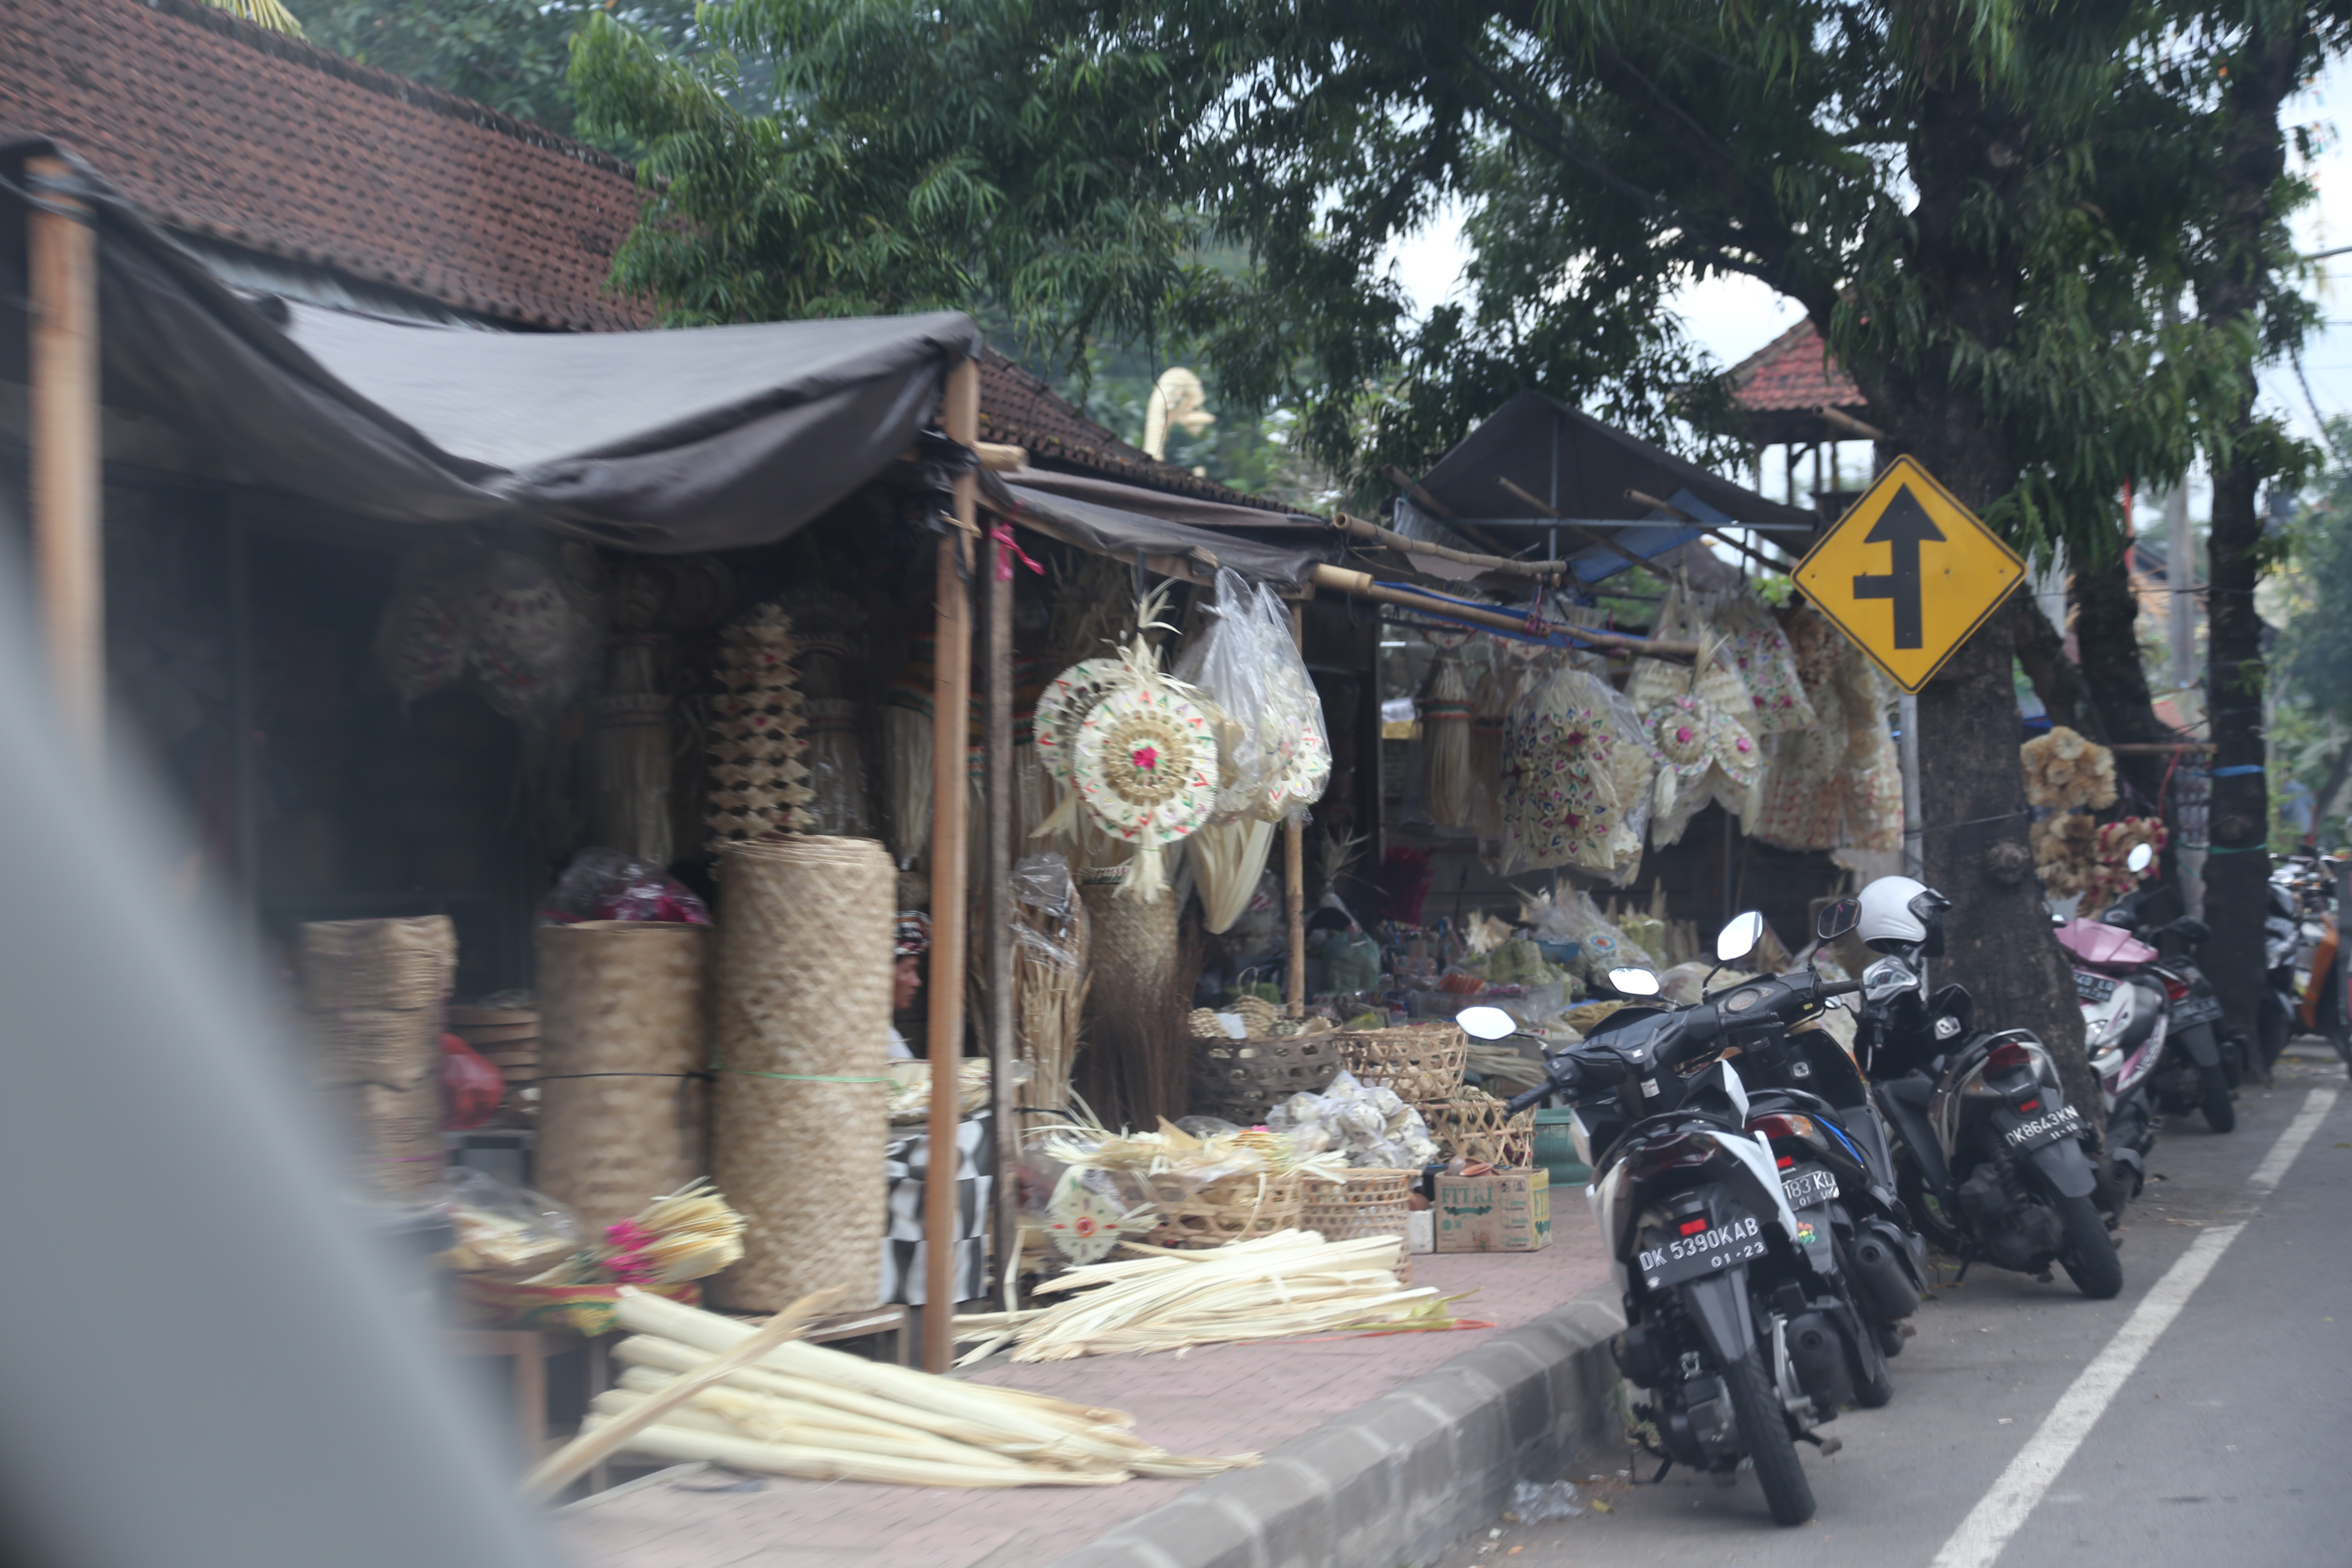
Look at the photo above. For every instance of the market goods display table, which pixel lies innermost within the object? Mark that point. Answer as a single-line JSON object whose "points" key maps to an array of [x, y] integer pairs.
{"points": [[1218, 1399]]}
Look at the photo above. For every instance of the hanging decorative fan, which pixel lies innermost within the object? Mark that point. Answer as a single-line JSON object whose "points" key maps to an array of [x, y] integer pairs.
{"points": [[1147, 766], [1065, 702], [1704, 754], [1083, 1224]]}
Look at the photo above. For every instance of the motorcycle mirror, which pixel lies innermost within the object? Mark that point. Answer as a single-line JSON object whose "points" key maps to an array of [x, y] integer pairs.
{"points": [[1487, 1022], [2140, 859], [1738, 939], [1837, 918], [1633, 982]]}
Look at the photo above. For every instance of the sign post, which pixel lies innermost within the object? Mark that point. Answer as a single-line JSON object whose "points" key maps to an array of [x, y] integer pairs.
{"points": [[1909, 573]]}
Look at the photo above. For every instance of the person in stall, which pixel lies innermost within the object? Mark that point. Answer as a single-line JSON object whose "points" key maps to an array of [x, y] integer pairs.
{"points": [[913, 942]]}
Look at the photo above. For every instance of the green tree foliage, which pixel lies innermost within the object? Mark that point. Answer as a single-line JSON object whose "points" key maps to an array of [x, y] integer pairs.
{"points": [[510, 54]]}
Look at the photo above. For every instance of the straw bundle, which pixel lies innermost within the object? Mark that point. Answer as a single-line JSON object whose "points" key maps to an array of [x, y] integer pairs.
{"points": [[633, 772], [831, 629], [1228, 859], [759, 777], [623, 1013], [1049, 996], [802, 988], [803, 1410], [1136, 996], [1293, 1282], [1447, 792], [1487, 709]]}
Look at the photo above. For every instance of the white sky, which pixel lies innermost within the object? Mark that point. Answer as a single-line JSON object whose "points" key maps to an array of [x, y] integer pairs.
{"points": [[1733, 316]]}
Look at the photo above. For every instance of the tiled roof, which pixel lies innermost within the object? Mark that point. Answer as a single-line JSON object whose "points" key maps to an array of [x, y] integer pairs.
{"points": [[1019, 410], [219, 128], [1794, 372]]}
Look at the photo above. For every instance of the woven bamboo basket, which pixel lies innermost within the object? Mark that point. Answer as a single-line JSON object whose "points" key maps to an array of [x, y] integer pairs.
{"points": [[1241, 1081], [392, 1047], [802, 982], [1472, 1125], [1238, 1208], [394, 1135], [1421, 1062], [624, 1015], [1361, 1203], [351, 966]]}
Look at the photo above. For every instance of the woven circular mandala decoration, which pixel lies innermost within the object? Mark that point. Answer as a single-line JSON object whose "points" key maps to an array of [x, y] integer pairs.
{"points": [[1146, 763], [1067, 699]]}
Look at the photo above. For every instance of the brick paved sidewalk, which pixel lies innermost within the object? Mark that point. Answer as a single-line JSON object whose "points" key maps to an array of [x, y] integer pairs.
{"points": [[1214, 1400]]}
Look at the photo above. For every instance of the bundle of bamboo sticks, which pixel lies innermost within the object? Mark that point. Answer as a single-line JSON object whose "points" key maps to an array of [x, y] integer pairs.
{"points": [[804, 1411], [1293, 1282]]}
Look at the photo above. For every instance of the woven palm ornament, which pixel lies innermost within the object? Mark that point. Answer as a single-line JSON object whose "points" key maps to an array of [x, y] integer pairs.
{"points": [[1704, 754], [1061, 706], [1147, 767], [1560, 791], [759, 778]]}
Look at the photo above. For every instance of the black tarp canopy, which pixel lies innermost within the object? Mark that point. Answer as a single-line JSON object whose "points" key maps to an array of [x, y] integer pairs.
{"points": [[1582, 469]]}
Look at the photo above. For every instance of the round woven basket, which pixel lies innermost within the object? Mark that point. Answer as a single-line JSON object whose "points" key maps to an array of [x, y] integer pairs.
{"points": [[1361, 1204], [349, 966], [800, 986], [1238, 1208], [1472, 1125], [1241, 1081], [1421, 1062], [624, 1013]]}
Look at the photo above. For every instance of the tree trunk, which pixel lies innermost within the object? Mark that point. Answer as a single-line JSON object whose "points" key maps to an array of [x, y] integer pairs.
{"points": [[2106, 631], [2041, 650], [2230, 292], [1972, 798]]}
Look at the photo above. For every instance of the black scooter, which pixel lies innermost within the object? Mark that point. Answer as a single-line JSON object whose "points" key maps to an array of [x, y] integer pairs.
{"points": [[1992, 1161], [1738, 1324]]}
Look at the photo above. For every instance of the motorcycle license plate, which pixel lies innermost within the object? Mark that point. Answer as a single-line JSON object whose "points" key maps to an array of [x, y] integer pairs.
{"points": [[2196, 1010], [1709, 1252], [2092, 987], [1806, 1188], [2063, 1122]]}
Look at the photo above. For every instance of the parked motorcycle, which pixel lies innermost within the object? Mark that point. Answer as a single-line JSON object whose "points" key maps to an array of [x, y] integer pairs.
{"points": [[1992, 1163], [2303, 989], [1736, 1320], [2198, 1065]]}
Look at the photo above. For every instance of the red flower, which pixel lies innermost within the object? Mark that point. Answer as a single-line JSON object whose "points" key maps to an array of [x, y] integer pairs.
{"points": [[1146, 758]]}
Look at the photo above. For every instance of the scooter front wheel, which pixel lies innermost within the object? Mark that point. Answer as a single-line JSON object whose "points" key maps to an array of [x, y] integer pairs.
{"points": [[2090, 1253], [1764, 1432], [2220, 1113]]}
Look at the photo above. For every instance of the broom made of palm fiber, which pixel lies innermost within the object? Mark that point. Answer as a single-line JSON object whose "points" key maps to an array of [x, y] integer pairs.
{"points": [[808, 1386], [1049, 999]]}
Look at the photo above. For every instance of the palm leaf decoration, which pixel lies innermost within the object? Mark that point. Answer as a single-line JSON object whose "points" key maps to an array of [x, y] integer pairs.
{"points": [[266, 14]]}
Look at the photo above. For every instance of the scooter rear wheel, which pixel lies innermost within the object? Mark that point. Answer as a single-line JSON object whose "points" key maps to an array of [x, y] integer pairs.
{"points": [[1764, 1432]]}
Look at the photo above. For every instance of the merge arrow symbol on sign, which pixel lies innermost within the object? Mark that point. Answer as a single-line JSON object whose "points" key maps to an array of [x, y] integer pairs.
{"points": [[1904, 526]]}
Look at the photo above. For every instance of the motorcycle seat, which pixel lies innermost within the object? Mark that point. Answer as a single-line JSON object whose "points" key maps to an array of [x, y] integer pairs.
{"points": [[2100, 946], [1912, 1090]]}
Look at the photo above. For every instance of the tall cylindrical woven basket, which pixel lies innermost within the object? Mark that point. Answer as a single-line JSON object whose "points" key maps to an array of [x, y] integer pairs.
{"points": [[802, 992], [623, 1019], [373, 991]]}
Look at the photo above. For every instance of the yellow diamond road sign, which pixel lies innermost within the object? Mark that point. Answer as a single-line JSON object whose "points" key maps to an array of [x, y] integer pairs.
{"points": [[1909, 572]]}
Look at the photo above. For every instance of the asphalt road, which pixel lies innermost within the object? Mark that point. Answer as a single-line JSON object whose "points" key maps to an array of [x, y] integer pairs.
{"points": [[2226, 1442]]}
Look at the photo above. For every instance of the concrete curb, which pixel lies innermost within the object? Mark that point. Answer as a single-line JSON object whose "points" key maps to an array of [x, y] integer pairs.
{"points": [[1396, 1481]]}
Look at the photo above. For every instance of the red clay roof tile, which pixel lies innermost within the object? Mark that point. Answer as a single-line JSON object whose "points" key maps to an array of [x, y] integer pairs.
{"points": [[1794, 370]]}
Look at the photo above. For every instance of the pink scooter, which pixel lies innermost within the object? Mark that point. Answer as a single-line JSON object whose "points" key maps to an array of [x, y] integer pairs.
{"points": [[2123, 1025]]}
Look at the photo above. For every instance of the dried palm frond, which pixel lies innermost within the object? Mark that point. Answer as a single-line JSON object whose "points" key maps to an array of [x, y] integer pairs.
{"points": [[266, 14]]}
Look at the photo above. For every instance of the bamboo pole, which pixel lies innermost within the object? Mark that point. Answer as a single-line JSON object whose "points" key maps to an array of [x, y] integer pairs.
{"points": [[951, 721], [1356, 527], [996, 616], [69, 538], [1839, 419], [1363, 586], [1294, 865], [1605, 542]]}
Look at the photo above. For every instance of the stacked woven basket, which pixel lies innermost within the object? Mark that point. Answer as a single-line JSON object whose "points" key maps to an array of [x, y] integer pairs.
{"points": [[1422, 1063], [508, 1038], [373, 991]]}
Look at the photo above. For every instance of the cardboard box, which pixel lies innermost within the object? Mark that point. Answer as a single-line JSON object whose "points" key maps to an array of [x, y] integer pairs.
{"points": [[1507, 1211]]}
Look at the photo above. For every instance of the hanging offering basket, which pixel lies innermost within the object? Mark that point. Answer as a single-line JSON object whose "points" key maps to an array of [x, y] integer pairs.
{"points": [[1358, 1204], [1421, 1062], [1241, 1081], [1236, 1208]]}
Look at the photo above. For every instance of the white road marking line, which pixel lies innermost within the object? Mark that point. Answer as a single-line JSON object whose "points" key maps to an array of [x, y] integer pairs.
{"points": [[2272, 1170], [2002, 1511]]}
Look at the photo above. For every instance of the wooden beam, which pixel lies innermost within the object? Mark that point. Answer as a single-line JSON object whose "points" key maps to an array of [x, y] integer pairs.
{"points": [[1363, 585], [1294, 866], [1603, 540], [1000, 459], [1357, 528], [1838, 420], [950, 718], [68, 495], [996, 939]]}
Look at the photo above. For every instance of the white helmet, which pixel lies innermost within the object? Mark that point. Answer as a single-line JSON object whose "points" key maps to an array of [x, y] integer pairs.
{"points": [[1899, 912]]}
